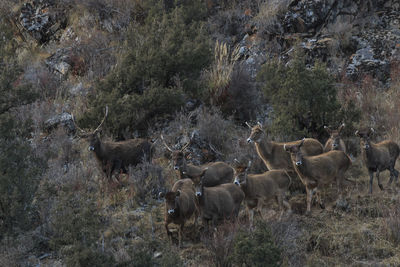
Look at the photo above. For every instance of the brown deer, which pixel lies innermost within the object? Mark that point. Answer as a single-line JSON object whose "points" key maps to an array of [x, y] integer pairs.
{"points": [[274, 155], [117, 156], [260, 188], [335, 141], [318, 171], [378, 157], [180, 205], [221, 202], [216, 172]]}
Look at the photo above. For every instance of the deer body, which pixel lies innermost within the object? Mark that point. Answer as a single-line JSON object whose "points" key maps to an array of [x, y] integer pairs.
{"points": [[261, 188], [180, 205], [319, 171], [378, 157]]}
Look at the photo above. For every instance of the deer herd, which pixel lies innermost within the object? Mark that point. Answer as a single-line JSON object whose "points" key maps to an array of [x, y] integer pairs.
{"points": [[215, 191]]}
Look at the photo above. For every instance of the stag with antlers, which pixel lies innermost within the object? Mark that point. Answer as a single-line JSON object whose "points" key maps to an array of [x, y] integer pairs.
{"points": [[216, 172], [117, 156]]}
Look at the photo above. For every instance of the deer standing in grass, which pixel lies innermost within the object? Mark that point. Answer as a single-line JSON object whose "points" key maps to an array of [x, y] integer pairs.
{"points": [[378, 157], [335, 141], [261, 188], [117, 156], [180, 205], [274, 155], [317, 172], [216, 172]]}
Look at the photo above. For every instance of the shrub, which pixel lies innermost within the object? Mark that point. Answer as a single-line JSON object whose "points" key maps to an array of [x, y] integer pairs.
{"points": [[164, 58], [20, 171], [220, 243], [303, 100], [256, 248]]}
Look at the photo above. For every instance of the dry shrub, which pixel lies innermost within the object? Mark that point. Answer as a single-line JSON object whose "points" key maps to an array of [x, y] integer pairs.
{"points": [[220, 242], [146, 180], [220, 74], [391, 224], [379, 106], [268, 16]]}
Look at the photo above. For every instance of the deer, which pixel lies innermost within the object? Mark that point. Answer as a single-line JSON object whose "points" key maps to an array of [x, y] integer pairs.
{"points": [[116, 156], [260, 188], [273, 153], [335, 142], [317, 172], [378, 157], [216, 172], [180, 206], [216, 203]]}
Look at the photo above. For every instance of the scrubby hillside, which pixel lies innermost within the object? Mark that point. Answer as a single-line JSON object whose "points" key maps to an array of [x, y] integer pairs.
{"points": [[195, 72]]}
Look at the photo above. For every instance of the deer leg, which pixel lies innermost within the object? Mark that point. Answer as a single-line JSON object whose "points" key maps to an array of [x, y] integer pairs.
{"points": [[180, 233], [169, 234], [379, 180], [319, 198], [371, 179], [396, 175], [310, 193]]}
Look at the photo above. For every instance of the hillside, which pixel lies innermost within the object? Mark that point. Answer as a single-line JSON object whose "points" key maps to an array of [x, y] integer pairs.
{"points": [[196, 72]]}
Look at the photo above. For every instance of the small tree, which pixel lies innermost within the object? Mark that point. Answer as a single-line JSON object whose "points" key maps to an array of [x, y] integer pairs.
{"points": [[303, 99], [163, 62]]}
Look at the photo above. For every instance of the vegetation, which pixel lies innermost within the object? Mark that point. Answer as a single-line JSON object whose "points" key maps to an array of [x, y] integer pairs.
{"points": [[156, 71], [304, 100], [193, 71]]}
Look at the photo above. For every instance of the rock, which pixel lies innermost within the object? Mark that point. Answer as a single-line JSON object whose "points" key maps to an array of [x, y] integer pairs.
{"points": [[65, 119], [59, 61], [41, 19]]}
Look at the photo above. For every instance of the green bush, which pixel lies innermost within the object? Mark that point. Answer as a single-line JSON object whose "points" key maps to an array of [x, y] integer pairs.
{"points": [[20, 168], [75, 226], [256, 248], [20, 171], [165, 56], [303, 99]]}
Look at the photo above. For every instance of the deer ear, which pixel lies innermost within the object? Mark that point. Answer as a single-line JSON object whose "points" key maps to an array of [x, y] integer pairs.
{"points": [[371, 131], [177, 193], [340, 129], [161, 195], [327, 129], [302, 142], [286, 148], [356, 133], [259, 124], [248, 125]]}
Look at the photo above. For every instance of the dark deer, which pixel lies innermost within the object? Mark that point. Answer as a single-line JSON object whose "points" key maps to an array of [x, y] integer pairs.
{"points": [[117, 156], [378, 157], [335, 141], [317, 172], [216, 172]]}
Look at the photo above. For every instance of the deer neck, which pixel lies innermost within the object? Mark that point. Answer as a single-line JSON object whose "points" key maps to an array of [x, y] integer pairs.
{"points": [[264, 148], [190, 170], [303, 169], [368, 153], [100, 151]]}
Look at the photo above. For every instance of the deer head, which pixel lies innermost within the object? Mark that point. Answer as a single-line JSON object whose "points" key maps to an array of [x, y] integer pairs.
{"points": [[178, 156], [92, 137]]}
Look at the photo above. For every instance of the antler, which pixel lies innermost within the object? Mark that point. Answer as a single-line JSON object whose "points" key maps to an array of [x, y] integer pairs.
{"points": [[101, 123], [185, 146], [84, 133], [165, 144]]}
